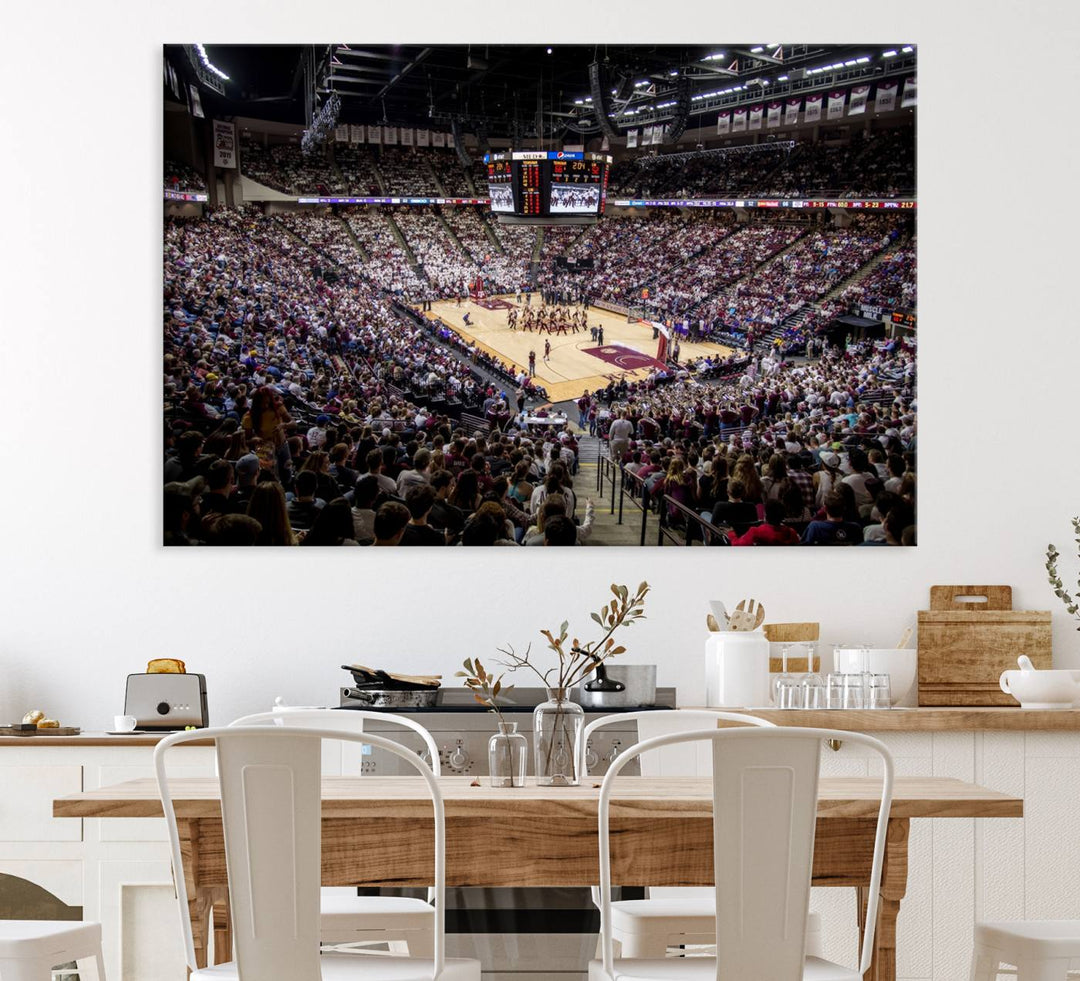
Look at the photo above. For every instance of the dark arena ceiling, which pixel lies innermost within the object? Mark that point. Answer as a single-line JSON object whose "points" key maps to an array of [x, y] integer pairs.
{"points": [[525, 91]]}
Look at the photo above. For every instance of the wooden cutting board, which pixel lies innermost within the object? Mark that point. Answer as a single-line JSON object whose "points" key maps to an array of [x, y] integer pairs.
{"points": [[61, 731], [793, 633], [964, 646]]}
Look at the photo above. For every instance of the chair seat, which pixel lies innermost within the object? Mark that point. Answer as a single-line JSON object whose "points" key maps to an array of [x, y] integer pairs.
{"points": [[704, 969], [376, 912], [349, 967], [699, 915], [1028, 939], [41, 939]]}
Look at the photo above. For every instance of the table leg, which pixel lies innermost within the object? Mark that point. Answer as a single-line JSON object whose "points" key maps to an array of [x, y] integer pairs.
{"points": [[893, 889], [222, 921]]}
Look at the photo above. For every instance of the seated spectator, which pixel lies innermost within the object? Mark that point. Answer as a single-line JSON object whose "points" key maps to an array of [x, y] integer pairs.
{"points": [[390, 522], [236, 529], [304, 508], [772, 532], [734, 512], [333, 525], [560, 530], [267, 506], [834, 530], [419, 499], [363, 509]]}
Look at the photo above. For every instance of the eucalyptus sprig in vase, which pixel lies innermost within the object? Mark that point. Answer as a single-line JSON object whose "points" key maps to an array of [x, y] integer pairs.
{"points": [[508, 750], [558, 722], [1070, 600]]}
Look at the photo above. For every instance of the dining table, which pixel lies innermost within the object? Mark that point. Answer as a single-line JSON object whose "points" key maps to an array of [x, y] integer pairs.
{"points": [[377, 831]]}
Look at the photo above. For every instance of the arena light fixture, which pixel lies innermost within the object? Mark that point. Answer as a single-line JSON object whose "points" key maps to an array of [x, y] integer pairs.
{"points": [[207, 64], [782, 78], [757, 50], [888, 54], [713, 57], [907, 49]]}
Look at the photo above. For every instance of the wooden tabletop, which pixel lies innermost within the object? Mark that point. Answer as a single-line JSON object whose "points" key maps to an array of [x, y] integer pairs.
{"points": [[996, 719], [659, 797]]}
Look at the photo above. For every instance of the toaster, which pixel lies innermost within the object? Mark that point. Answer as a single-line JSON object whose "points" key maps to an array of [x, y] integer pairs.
{"points": [[165, 702]]}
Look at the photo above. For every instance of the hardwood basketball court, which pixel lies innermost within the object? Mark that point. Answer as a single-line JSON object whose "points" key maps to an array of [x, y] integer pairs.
{"points": [[569, 370]]}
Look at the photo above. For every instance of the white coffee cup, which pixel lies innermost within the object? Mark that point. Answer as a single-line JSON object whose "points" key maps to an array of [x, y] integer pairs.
{"points": [[124, 723]]}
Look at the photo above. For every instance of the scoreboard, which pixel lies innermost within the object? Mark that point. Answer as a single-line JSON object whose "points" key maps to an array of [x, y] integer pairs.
{"points": [[556, 186]]}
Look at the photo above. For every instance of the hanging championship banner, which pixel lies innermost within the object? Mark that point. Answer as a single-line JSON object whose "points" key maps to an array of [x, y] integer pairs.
{"points": [[791, 112], [406, 136], [739, 123], [196, 103], [389, 135], [756, 112], [649, 136], [450, 140], [857, 102], [224, 144], [423, 137], [836, 105], [438, 139], [812, 112], [356, 133], [910, 95], [341, 133], [374, 134], [885, 97], [631, 138], [774, 115], [723, 123]]}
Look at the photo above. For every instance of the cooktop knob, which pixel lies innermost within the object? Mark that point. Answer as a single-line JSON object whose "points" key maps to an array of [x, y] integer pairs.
{"points": [[458, 758], [163, 708], [591, 758]]}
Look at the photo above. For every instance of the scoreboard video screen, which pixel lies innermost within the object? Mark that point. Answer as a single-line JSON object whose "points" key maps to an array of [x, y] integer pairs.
{"points": [[500, 187], [556, 185]]}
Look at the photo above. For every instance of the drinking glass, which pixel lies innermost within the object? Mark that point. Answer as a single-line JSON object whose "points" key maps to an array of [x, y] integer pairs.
{"points": [[834, 690], [813, 691], [853, 691], [788, 692], [879, 694], [785, 676]]}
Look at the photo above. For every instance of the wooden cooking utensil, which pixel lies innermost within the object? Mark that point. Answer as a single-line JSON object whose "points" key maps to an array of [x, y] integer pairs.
{"points": [[748, 615], [710, 620]]}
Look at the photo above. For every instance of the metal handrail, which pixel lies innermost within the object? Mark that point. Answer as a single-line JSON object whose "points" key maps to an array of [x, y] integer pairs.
{"points": [[708, 529]]}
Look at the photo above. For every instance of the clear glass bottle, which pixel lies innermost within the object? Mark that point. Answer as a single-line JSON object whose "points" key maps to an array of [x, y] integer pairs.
{"points": [[508, 756], [557, 725]]}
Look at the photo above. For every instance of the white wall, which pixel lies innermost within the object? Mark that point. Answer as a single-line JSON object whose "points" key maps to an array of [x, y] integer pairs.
{"points": [[87, 593]]}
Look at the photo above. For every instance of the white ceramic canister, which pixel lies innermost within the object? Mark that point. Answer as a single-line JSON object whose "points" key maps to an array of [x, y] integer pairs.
{"points": [[737, 669]]}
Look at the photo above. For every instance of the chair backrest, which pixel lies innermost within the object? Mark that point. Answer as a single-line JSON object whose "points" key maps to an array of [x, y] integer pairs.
{"points": [[764, 789], [686, 760], [346, 720], [271, 809]]}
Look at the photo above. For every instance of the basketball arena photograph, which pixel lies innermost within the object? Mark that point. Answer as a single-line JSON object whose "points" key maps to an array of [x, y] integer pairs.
{"points": [[540, 294]]}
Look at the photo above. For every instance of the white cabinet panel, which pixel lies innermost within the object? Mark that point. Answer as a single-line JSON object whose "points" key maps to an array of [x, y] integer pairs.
{"points": [[26, 803], [1052, 837], [140, 922]]}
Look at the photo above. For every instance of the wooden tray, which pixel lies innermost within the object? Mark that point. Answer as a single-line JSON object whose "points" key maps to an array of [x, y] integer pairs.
{"points": [[964, 646], [61, 731], [793, 633]]}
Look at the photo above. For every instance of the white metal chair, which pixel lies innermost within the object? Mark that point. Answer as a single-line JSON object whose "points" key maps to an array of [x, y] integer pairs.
{"points": [[1041, 950], [346, 917], [30, 949], [765, 789], [673, 916], [271, 810]]}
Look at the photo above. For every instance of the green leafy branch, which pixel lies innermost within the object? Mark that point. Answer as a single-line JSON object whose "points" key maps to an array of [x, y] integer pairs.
{"points": [[485, 687], [1070, 600]]}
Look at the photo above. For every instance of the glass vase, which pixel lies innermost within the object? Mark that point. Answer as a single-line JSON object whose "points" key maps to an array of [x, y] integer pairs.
{"points": [[557, 725], [508, 755]]}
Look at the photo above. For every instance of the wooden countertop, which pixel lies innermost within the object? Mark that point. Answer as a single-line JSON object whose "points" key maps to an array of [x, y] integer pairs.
{"points": [[91, 739], [403, 798], [923, 719]]}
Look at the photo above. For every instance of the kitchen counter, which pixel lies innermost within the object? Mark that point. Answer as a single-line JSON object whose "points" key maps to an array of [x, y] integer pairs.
{"points": [[88, 739], [923, 719]]}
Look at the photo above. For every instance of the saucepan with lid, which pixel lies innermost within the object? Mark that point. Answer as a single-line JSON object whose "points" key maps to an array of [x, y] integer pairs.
{"points": [[619, 686]]}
